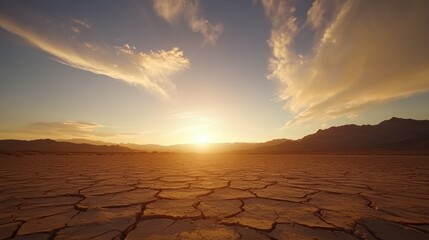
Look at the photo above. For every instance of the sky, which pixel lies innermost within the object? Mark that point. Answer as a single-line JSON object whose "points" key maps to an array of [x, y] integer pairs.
{"points": [[189, 71]]}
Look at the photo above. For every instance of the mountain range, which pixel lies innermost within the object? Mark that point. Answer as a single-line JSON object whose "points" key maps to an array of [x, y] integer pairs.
{"points": [[396, 136], [48, 145]]}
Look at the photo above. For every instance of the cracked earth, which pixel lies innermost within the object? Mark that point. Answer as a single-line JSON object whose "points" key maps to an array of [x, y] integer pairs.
{"points": [[189, 196]]}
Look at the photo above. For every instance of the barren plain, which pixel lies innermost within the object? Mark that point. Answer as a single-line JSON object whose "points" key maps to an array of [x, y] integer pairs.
{"points": [[197, 196]]}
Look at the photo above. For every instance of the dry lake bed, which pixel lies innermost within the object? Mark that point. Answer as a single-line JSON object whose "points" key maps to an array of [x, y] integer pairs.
{"points": [[190, 196]]}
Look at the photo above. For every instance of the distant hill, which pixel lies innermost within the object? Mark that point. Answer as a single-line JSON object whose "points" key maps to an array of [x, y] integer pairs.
{"points": [[133, 146], [147, 147], [83, 140], [204, 148], [222, 147], [395, 135], [83, 145], [48, 145]]}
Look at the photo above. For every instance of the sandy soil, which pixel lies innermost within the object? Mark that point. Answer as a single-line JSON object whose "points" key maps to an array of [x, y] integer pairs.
{"points": [[214, 197]]}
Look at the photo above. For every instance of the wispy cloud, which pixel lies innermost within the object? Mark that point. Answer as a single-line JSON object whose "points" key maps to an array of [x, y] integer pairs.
{"points": [[65, 127], [191, 123], [172, 10], [151, 70], [77, 25], [315, 13], [364, 53], [82, 23]]}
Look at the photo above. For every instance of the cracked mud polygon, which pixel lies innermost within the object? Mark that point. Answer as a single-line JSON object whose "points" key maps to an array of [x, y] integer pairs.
{"points": [[191, 196]]}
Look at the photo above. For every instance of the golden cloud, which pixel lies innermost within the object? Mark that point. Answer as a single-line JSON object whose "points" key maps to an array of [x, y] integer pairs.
{"points": [[315, 13], [65, 127], [367, 53], [65, 130], [171, 10], [151, 71]]}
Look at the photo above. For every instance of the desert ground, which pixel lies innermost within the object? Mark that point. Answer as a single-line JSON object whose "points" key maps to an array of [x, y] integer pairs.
{"points": [[203, 196]]}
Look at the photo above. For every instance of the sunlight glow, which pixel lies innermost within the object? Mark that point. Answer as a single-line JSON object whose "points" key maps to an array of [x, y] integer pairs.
{"points": [[202, 139]]}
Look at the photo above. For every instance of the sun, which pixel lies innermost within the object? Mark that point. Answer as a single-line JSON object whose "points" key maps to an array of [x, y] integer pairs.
{"points": [[202, 139]]}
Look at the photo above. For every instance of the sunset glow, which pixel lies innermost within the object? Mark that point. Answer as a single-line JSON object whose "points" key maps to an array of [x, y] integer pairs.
{"points": [[170, 72], [202, 139], [214, 119]]}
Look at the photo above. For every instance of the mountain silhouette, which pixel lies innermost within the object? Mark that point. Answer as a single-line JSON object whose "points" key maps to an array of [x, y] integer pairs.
{"points": [[48, 145], [394, 135]]}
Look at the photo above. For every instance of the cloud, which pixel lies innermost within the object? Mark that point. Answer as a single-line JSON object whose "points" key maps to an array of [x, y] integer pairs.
{"points": [[364, 53], [315, 13], [77, 25], [151, 70], [65, 127], [69, 129], [80, 22], [191, 123], [172, 10]]}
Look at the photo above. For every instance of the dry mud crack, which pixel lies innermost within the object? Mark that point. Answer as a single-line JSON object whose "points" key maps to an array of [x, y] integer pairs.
{"points": [[190, 196]]}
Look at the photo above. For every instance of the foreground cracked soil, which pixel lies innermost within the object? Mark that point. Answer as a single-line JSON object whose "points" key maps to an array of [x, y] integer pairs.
{"points": [[189, 196]]}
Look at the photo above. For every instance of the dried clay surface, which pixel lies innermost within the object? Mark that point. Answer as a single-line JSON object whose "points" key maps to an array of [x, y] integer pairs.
{"points": [[196, 196]]}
